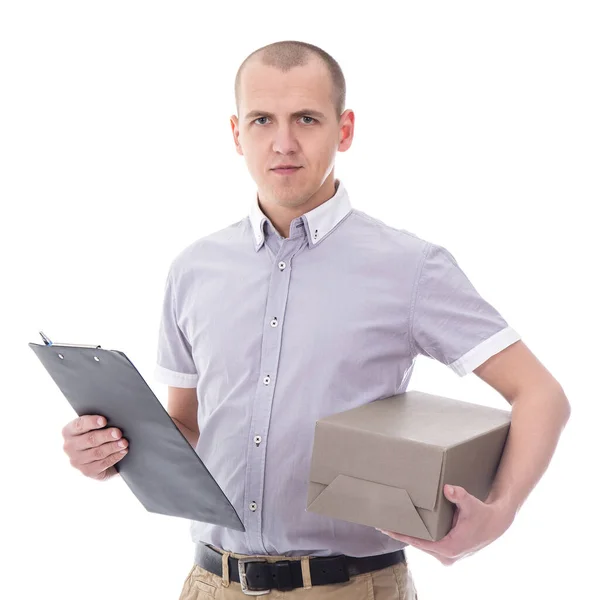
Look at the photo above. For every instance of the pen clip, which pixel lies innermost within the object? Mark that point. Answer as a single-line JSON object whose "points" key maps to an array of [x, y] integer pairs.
{"points": [[46, 339]]}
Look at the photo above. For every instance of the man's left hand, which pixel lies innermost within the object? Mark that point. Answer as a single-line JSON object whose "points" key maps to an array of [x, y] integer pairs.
{"points": [[475, 525]]}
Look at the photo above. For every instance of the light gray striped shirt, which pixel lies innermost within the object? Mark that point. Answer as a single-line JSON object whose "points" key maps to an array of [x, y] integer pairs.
{"points": [[275, 333]]}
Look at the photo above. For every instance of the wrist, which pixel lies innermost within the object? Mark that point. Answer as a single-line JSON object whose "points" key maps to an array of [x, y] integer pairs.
{"points": [[504, 504]]}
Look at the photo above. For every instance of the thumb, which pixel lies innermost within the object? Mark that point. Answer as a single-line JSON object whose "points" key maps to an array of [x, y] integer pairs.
{"points": [[457, 494]]}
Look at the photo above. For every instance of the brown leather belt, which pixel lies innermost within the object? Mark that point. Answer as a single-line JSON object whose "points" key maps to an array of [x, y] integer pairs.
{"points": [[257, 576]]}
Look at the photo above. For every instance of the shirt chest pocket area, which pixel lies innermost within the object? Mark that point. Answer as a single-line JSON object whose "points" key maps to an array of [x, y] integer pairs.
{"points": [[224, 339]]}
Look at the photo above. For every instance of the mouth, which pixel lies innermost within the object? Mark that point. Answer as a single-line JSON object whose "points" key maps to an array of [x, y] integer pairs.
{"points": [[286, 171]]}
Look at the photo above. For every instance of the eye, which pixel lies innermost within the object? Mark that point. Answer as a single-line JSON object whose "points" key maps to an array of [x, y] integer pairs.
{"points": [[304, 117]]}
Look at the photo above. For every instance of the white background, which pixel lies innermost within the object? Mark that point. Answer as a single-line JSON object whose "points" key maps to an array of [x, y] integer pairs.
{"points": [[477, 127]]}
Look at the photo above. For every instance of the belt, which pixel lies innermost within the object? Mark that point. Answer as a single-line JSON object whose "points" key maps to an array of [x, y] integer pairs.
{"points": [[257, 576]]}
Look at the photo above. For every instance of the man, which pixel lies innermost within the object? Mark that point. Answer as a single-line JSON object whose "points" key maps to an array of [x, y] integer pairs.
{"points": [[308, 307]]}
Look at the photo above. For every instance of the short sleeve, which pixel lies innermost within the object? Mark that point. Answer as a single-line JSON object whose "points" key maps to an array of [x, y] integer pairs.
{"points": [[451, 322], [174, 360]]}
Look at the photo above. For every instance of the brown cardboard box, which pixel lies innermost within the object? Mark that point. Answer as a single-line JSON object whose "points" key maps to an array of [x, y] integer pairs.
{"points": [[385, 463]]}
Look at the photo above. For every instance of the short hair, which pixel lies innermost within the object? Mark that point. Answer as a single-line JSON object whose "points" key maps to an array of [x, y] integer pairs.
{"points": [[287, 54]]}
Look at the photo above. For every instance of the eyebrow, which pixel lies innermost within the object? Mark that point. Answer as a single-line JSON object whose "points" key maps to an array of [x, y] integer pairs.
{"points": [[299, 113]]}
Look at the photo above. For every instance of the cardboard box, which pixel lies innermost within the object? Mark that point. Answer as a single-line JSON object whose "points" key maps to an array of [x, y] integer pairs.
{"points": [[385, 463]]}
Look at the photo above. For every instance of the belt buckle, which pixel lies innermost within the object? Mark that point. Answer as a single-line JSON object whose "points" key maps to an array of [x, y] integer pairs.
{"points": [[243, 581]]}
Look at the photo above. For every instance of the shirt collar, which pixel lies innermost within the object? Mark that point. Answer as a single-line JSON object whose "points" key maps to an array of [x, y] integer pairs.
{"points": [[319, 221]]}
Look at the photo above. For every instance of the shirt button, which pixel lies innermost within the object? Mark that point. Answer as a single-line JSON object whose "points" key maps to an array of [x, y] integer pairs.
{"points": [[281, 266], [252, 505], [266, 380], [257, 439], [274, 322]]}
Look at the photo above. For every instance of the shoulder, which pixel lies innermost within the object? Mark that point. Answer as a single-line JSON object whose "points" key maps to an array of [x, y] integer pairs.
{"points": [[209, 248], [388, 237]]}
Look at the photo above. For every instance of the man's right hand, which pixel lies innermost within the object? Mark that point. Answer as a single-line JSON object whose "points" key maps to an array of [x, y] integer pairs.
{"points": [[93, 450]]}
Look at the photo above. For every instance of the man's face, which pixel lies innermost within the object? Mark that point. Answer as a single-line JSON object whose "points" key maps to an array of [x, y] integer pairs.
{"points": [[306, 140]]}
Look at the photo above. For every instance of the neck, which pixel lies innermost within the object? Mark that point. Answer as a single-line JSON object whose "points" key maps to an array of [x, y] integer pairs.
{"points": [[282, 215]]}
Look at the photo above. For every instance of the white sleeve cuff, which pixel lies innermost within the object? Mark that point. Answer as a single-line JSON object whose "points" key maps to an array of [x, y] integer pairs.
{"points": [[174, 378], [478, 355]]}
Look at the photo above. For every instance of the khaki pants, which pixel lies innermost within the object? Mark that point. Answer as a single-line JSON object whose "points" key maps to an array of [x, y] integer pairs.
{"points": [[392, 583]]}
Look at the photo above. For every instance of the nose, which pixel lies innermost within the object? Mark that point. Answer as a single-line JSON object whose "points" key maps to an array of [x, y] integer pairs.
{"points": [[285, 141]]}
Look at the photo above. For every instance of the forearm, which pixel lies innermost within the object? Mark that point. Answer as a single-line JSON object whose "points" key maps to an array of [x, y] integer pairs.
{"points": [[537, 421], [190, 435]]}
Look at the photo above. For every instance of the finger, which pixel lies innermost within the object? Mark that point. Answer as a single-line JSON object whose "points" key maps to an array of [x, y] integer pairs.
{"points": [[106, 474], [413, 541], [83, 424], [444, 557], [101, 452], [93, 438], [440, 547], [446, 561], [95, 469]]}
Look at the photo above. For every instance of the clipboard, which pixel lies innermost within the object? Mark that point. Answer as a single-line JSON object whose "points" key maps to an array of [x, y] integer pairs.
{"points": [[161, 468]]}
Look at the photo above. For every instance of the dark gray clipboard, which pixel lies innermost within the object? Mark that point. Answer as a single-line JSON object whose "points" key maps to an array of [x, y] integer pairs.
{"points": [[161, 468]]}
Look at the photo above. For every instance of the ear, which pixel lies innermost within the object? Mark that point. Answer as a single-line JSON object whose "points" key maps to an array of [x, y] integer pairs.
{"points": [[235, 130]]}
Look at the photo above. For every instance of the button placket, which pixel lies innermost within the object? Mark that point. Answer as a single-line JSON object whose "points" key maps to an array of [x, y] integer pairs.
{"points": [[276, 302]]}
